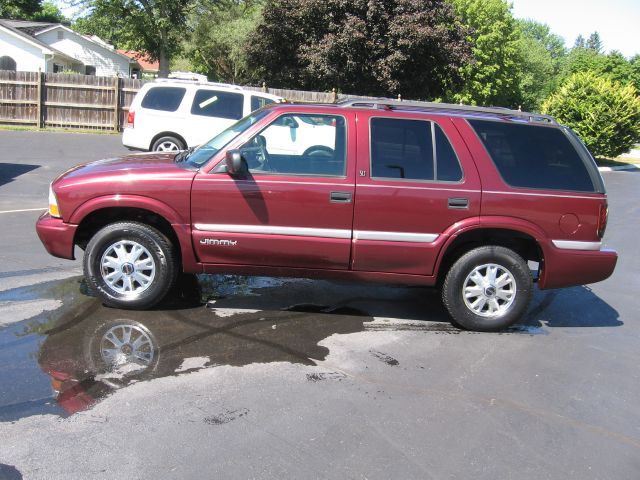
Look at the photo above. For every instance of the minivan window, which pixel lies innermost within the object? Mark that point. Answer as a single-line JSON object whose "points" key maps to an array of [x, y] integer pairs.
{"points": [[166, 99], [213, 103], [533, 156], [259, 102]]}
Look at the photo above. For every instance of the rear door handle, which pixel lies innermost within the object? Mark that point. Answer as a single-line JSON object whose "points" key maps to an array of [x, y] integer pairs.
{"points": [[340, 197], [458, 203]]}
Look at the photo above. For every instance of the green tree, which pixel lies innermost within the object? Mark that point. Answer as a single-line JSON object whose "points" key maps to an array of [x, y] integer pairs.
{"points": [[49, 12], [580, 42], [19, 9], [31, 10], [543, 55], [153, 27], [220, 33], [412, 47], [594, 43], [605, 113], [494, 77]]}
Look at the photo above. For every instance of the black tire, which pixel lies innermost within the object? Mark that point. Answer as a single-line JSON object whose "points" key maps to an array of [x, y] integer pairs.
{"points": [[159, 254], [166, 141], [459, 277]]}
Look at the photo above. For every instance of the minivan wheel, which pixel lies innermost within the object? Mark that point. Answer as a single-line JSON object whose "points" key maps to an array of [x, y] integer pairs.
{"points": [[129, 265], [168, 144], [487, 289]]}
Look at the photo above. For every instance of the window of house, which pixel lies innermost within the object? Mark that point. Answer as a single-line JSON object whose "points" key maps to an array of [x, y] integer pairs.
{"points": [[214, 103], [89, 70], [7, 63]]}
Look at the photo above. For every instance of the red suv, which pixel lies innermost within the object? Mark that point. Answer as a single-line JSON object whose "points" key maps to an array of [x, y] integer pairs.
{"points": [[480, 202]]}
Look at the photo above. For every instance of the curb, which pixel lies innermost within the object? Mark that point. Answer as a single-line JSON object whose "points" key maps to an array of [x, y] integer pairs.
{"points": [[631, 166]]}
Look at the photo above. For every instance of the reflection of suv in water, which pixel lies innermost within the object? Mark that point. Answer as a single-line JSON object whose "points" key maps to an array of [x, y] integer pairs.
{"points": [[171, 115], [468, 199]]}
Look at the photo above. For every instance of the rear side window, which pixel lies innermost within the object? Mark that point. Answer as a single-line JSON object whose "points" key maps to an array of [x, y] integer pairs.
{"points": [[537, 157], [166, 99], [212, 103], [412, 150], [259, 102]]}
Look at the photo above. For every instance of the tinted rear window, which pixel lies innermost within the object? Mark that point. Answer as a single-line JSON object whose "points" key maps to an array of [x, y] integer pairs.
{"points": [[259, 102], [537, 157], [213, 103], [402, 148], [166, 99]]}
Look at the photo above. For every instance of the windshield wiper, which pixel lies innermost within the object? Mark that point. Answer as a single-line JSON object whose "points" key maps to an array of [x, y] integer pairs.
{"points": [[183, 155]]}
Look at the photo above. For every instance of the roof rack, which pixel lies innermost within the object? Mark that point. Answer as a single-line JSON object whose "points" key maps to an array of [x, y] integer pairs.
{"points": [[389, 104], [198, 82]]}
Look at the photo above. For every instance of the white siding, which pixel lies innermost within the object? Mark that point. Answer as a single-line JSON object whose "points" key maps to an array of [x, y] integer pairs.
{"points": [[107, 63], [28, 57]]}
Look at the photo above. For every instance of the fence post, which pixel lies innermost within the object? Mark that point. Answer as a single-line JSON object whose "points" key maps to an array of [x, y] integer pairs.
{"points": [[264, 87], [334, 95], [39, 97], [399, 97], [116, 104]]}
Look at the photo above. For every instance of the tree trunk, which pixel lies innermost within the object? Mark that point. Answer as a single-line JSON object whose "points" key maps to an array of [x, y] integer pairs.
{"points": [[163, 71]]}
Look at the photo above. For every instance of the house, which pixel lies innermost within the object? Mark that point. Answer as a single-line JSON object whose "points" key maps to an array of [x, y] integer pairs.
{"points": [[147, 66], [52, 47]]}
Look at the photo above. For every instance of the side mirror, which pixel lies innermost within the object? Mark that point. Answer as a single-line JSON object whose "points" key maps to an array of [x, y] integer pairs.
{"points": [[290, 122], [234, 162]]}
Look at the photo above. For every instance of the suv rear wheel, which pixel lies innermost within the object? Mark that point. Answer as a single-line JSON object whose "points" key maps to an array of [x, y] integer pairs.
{"points": [[129, 265], [168, 144], [487, 289]]}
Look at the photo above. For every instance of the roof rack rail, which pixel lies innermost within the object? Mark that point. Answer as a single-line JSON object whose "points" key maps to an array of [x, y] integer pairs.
{"points": [[198, 82], [389, 104]]}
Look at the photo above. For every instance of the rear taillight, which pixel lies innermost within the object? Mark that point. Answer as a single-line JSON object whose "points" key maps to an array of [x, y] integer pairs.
{"points": [[131, 118], [603, 216]]}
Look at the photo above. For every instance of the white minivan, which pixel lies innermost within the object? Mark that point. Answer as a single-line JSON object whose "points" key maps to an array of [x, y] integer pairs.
{"points": [[171, 115]]}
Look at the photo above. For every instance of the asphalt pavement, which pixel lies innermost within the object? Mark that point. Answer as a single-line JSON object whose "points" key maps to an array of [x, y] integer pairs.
{"points": [[271, 378]]}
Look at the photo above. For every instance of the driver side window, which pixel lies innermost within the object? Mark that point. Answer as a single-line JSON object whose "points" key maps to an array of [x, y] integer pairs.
{"points": [[299, 144]]}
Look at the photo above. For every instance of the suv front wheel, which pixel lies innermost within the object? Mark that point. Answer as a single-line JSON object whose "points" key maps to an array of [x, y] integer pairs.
{"points": [[488, 289], [129, 265]]}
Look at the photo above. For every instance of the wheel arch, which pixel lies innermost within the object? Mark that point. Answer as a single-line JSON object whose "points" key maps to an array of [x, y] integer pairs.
{"points": [[524, 241], [177, 136]]}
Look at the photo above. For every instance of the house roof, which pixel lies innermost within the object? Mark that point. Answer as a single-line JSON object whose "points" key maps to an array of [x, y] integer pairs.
{"points": [[29, 32], [13, 27], [142, 59]]}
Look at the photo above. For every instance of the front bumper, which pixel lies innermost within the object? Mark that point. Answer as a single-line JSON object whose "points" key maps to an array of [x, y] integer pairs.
{"points": [[56, 235], [568, 268]]}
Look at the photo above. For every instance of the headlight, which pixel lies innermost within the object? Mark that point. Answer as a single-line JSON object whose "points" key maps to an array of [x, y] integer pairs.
{"points": [[54, 211]]}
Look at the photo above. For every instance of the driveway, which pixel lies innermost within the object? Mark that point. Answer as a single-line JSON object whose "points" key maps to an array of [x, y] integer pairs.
{"points": [[271, 378]]}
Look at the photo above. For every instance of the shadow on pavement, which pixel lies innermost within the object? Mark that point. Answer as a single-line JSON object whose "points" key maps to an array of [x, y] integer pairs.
{"points": [[10, 171], [9, 472]]}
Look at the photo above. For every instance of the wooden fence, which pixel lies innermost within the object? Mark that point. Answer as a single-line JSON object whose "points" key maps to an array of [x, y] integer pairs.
{"points": [[89, 102]]}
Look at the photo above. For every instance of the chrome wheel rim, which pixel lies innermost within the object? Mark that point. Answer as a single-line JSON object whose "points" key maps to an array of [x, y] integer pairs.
{"points": [[489, 290], [127, 344], [167, 147], [127, 267]]}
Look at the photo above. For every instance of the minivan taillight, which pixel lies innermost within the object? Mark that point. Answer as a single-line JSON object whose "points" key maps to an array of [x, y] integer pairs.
{"points": [[603, 216], [131, 118]]}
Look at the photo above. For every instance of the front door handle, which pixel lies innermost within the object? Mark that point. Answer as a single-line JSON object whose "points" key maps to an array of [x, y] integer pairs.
{"points": [[461, 203], [340, 197]]}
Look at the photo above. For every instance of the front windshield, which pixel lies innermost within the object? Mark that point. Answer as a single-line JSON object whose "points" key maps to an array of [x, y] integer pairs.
{"points": [[206, 151]]}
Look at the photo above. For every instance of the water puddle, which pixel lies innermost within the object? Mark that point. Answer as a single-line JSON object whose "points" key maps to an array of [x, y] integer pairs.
{"points": [[66, 360]]}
